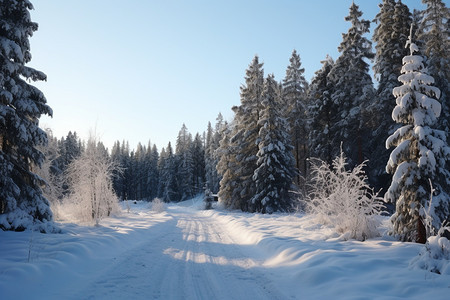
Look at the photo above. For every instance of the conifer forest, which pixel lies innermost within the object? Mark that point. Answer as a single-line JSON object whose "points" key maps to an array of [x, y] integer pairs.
{"points": [[341, 181]]}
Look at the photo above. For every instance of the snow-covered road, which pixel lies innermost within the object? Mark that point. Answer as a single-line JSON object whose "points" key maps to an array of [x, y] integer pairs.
{"points": [[190, 256], [188, 253]]}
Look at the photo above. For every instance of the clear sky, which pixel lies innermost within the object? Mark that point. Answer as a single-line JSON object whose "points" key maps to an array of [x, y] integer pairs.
{"points": [[137, 70]]}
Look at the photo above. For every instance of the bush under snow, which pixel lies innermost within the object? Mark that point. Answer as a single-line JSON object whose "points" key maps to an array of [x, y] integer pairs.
{"points": [[343, 199], [158, 205], [435, 256]]}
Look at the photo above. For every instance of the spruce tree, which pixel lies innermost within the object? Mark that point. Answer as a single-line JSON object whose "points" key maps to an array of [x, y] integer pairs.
{"points": [[320, 112], [420, 154], [295, 110], [184, 164], [390, 35], [213, 138], [219, 129], [434, 32], [168, 187], [198, 164], [127, 170], [226, 168], [276, 164], [243, 141], [209, 166], [21, 105], [153, 174], [117, 178], [352, 90]]}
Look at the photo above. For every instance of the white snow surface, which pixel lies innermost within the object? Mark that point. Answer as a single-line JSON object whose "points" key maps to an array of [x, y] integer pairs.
{"points": [[185, 252]]}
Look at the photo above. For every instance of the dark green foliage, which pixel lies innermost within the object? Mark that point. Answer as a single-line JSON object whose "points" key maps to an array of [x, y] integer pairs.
{"points": [[21, 106], [275, 165]]}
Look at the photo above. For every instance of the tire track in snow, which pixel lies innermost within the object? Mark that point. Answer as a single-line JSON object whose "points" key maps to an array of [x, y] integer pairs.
{"points": [[191, 256]]}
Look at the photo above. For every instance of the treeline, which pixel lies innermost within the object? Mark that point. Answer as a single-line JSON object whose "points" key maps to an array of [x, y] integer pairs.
{"points": [[144, 173]]}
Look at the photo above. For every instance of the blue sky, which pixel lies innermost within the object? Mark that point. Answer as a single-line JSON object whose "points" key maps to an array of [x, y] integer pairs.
{"points": [[137, 70]]}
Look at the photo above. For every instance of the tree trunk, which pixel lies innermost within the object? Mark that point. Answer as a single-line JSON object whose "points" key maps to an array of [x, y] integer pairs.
{"points": [[421, 232]]}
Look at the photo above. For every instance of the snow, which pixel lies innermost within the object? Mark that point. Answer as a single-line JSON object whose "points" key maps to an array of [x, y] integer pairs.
{"points": [[188, 253]]}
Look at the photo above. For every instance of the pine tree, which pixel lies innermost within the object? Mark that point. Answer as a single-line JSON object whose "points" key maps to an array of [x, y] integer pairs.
{"points": [[127, 174], [352, 90], [420, 154], [226, 168], [153, 174], [219, 129], [434, 31], [390, 36], [117, 176], [198, 163], [275, 165], [320, 112], [213, 138], [294, 97], [168, 187], [21, 105], [209, 166], [244, 135], [185, 164], [139, 172]]}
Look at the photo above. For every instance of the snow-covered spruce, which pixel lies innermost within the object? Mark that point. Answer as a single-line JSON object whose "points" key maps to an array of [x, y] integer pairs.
{"points": [[420, 153], [342, 198], [275, 165], [240, 147], [390, 35], [352, 91], [434, 32], [294, 108], [320, 111], [213, 138], [22, 204]]}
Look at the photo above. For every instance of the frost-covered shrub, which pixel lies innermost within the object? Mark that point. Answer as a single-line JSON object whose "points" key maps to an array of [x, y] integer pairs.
{"points": [[435, 256], [158, 205], [90, 179], [343, 199]]}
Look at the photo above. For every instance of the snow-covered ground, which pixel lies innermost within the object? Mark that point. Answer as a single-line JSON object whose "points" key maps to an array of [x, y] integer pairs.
{"points": [[188, 253]]}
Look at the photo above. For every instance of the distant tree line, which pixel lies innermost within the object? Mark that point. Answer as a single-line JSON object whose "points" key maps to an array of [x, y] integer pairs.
{"points": [[145, 173]]}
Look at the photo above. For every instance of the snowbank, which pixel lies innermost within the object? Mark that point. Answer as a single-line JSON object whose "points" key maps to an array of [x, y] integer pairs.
{"points": [[190, 253]]}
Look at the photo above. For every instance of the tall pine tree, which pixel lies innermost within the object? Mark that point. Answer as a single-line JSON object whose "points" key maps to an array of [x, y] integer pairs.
{"points": [[243, 142], [420, 154], [21, 105], [295, 110], [434, 32], [320, 112], [276, 164], [184, 164], [352, 90], [393, 23]]}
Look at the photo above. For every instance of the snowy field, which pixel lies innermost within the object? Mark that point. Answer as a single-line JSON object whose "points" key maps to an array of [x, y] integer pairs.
{"points": [[188, 253]]}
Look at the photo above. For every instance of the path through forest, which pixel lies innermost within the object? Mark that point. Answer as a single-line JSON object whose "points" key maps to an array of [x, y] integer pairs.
{"points": [[190, 256]]}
